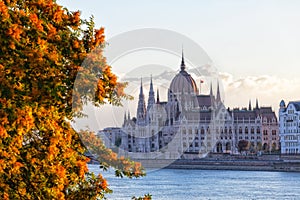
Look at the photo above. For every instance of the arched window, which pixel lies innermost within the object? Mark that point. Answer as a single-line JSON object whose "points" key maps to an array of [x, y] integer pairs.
{"points": [[258, 130], [228, 146], [202, 131], [219, 148], [240, 130]]}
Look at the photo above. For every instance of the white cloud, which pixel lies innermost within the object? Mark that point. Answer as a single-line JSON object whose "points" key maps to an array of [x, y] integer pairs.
{"points": [[269, 90]]}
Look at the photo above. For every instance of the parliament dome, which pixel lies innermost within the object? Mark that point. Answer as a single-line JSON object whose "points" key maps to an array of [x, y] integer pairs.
{"points": [[183, 81]]}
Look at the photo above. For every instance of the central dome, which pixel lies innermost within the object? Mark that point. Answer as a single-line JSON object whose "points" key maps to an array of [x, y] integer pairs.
{"points": [[183, 81]]}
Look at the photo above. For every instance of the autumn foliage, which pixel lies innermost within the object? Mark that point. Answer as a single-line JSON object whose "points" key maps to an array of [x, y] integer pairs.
{"points": [[49, 68]]}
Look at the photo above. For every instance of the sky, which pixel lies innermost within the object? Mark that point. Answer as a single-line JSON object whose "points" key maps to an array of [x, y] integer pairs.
{"points": [[254, 44]]}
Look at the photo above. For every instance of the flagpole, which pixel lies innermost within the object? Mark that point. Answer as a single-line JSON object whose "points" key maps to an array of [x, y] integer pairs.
{"points": [[200, 87], [201, 81]]}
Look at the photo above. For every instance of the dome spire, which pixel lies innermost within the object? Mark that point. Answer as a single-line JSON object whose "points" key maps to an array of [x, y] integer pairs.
{"points": [[182, 66]]}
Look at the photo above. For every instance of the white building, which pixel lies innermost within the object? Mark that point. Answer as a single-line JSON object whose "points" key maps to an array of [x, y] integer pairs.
{"points": [[190, 124], [289, 127], [111, 136]]}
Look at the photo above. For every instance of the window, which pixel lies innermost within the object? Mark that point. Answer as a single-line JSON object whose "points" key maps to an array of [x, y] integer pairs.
{"points": [[240, 130], [258, 130], [202, 131], [265, 132]]}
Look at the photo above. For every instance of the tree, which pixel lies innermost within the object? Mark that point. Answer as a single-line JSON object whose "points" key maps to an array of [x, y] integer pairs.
{"points": [[259, 146], [43, 46], [243, 145]]}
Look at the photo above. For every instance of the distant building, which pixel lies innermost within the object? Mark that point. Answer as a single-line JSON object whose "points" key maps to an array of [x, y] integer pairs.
{"points": [[111, 136], [289, 126], [189, 123]]}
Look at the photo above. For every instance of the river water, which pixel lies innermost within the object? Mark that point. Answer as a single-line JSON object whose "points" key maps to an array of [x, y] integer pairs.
{"points": [[178, 184]]}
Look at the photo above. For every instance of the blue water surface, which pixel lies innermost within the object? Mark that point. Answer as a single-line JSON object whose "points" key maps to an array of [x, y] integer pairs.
{"points": [[178, 184]]}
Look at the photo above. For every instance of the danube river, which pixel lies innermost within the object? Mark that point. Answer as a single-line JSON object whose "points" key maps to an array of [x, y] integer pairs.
{"points": [[175, 184]]}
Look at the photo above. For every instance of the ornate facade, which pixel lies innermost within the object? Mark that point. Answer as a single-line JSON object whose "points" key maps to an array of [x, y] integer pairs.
{"points": [[189, 123]]}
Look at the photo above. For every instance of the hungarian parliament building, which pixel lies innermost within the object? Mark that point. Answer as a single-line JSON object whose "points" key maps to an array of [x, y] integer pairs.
{"points": [[190, 124]]}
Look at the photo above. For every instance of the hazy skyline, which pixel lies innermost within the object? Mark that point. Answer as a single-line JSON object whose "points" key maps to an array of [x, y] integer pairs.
{"points": [[254, 44]]}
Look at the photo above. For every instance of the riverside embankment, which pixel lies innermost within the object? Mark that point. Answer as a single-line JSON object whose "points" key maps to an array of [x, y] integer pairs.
{"points": [[288, 163]]}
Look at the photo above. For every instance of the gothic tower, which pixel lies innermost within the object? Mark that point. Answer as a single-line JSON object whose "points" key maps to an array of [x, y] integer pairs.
{"points": [[151, 98], [157, 97], [250, 107], [211, 94], [218, 94], [141, 110]]}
